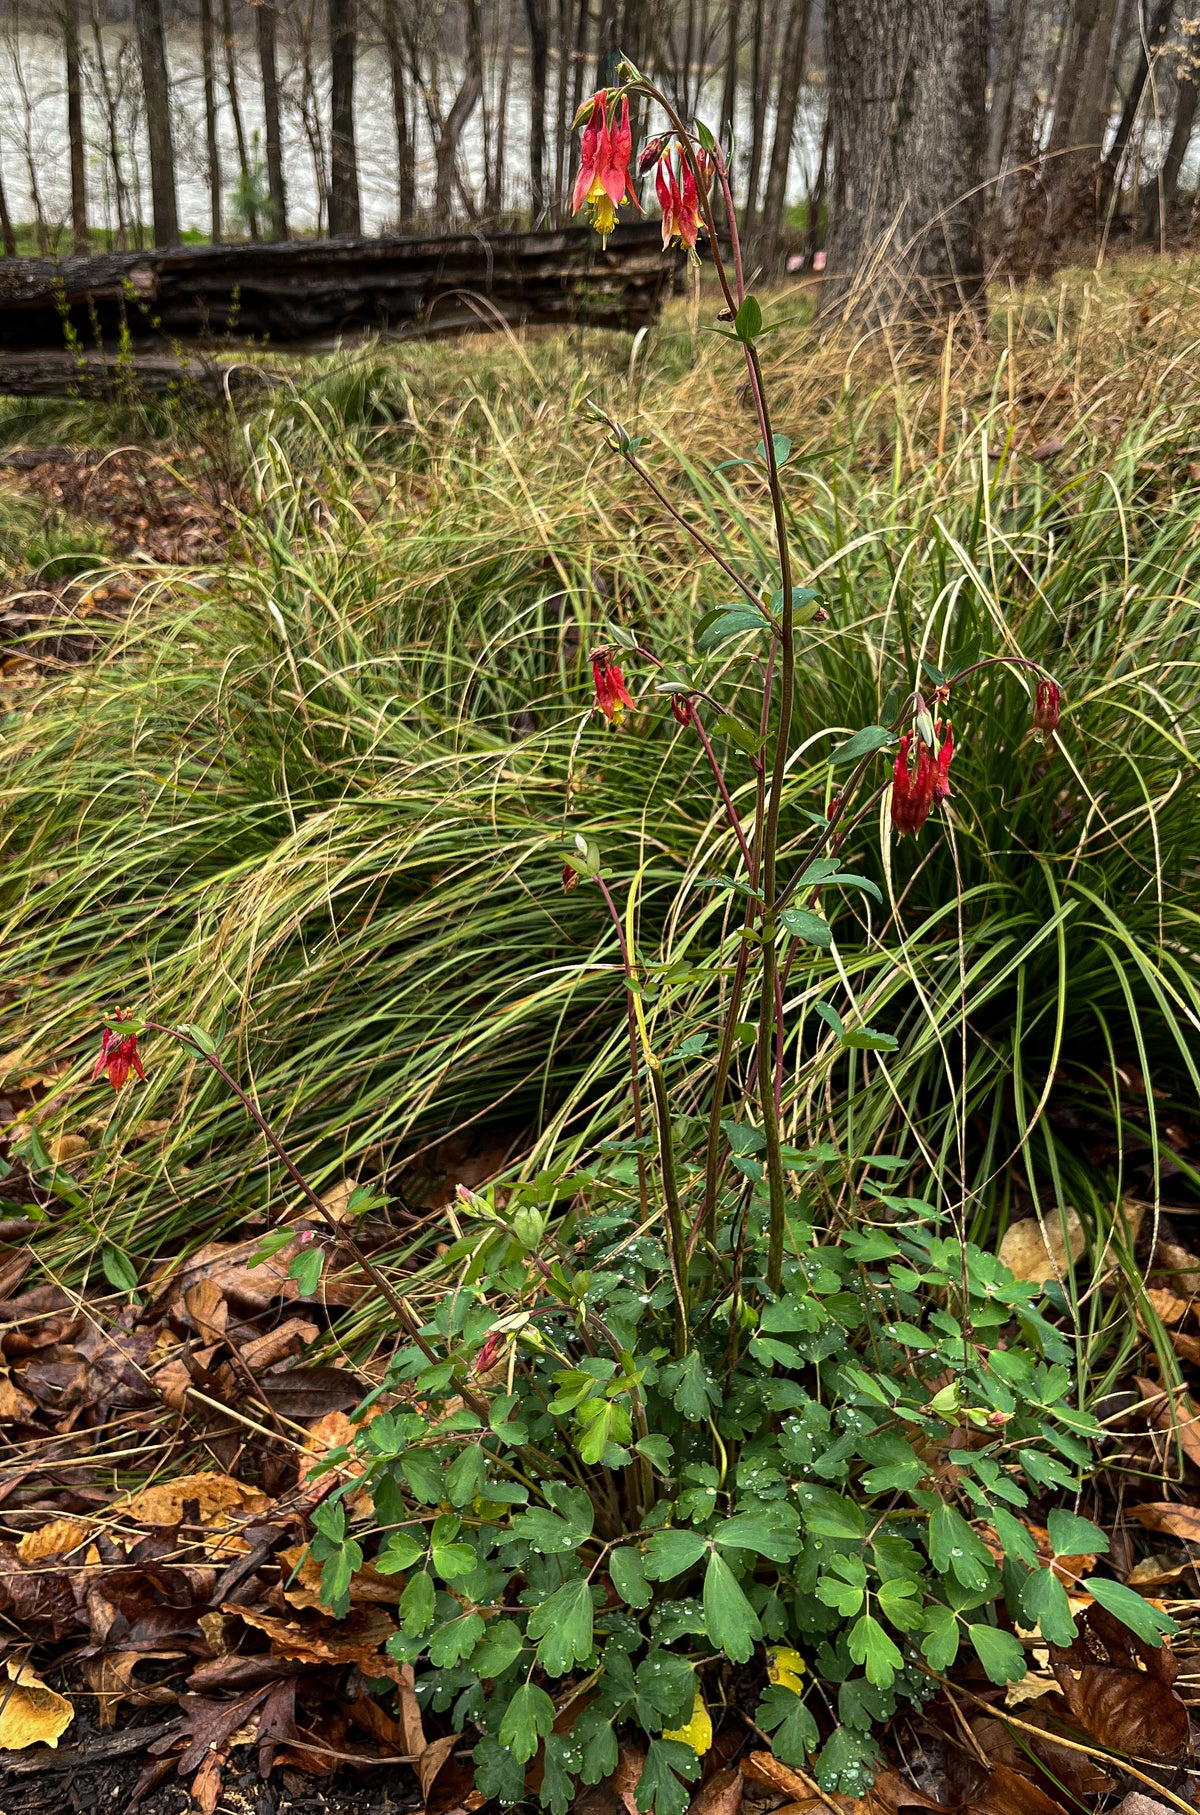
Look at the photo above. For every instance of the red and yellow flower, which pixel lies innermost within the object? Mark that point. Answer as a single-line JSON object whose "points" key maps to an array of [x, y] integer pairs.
{"points": [[604, 152], [677, 197], [612, 695], [916, 787], [118, 1054]]}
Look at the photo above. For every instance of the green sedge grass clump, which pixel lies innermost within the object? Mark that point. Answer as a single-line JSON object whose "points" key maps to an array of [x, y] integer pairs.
{"points": [[318, 797]]}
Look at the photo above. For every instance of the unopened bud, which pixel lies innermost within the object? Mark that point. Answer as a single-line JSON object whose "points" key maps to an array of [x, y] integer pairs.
{"points": [[570, 878], [650, 153], [1047, 707]]}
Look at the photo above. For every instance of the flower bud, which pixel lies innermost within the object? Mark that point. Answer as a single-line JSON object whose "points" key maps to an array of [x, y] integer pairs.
{"points": [[1046, 707]]}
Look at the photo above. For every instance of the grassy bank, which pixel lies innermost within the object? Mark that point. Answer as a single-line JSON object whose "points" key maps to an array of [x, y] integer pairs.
{"points": [[314, 792]]}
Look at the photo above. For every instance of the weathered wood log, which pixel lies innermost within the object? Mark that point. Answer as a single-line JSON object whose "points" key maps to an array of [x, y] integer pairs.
{"points": [[301, 291], [62, 374]]}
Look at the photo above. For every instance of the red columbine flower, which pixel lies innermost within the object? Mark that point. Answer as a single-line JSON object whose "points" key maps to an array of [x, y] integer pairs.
{"points": [[916, 790], [118, 1051], [612, 696], [1046, 707], [570, 878], [680, 205], [682, 708], [945, 756], [604, 153]]}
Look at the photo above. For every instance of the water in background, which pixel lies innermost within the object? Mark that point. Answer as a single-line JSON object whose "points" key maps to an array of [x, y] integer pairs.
{"points": [[33, 130]]}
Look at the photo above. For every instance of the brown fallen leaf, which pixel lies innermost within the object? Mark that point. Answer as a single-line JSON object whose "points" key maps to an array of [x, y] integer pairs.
{"points": [[1177, 1267], [40, 1602], [412, 1726], [207, 1309], [30, 1713], [631, 1762], [56, 1538], [358, 1639], [765, 1768], [306, 1395], [721, 1795], [287, 1338], [1120, 1690], [217, 1496], [16, 1407], [431, 1760], [1174, 1412], [1169, 1308], [1155, 1572], [1008, 1793], [1163, 1515], [1037, 1250]]}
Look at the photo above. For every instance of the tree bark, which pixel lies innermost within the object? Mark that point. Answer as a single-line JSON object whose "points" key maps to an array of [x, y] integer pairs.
{"points": [[7, 235], [152, 52], [406, 164], [1150, 45], [1159, 195], [464, 105], [907, 86], [239, 126], [267, 22], [345, 209], [1080, 116], [212, 143], [75, 139], [791, 80], [538, 25]]}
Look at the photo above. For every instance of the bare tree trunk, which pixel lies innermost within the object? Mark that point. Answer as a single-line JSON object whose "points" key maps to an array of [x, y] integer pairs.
{"points": [[758, 31], [406, 163], [732, 49], [211, 141], [581, 55], [537, 23], [1080, 116], [310, 115], [494, 199], [75, 138], [1160, 194], [112, 130], [1150, 46], [345, 209], [267, 32], [561, 117], [7, 235], [152, 51], [239, 125], [907, 85], [464, 105], [791, 80]]}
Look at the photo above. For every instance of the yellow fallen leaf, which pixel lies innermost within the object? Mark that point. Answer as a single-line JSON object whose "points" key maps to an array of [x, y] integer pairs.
{"points": [[1035, 1250], [785, 1667], [698, 1734], [31, 1714], [53, 1539], [218, 1497]]}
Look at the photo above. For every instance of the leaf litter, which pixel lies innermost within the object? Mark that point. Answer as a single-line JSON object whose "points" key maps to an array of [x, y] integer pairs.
{"points": [[156, 1510]]}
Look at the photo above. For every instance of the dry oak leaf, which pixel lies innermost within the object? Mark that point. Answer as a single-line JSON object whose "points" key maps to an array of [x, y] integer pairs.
{"points": [[57, 1538], [207, 1310], [305, 1589], [631, 1762], [1127, 1708], [1008, 1793], [359, 1639], [16, 1407], [1036, 1249], [721, 1795], [219, 1498], [31, 1714], [1163, 1515]]}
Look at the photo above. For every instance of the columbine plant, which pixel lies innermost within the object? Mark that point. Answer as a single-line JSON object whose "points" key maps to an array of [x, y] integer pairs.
{"points": [[680, 1446]]}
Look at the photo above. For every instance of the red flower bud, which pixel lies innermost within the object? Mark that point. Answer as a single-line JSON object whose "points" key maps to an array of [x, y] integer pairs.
{"points": [[916, 790], [681, 706], [1046, 707], [570, 878]]}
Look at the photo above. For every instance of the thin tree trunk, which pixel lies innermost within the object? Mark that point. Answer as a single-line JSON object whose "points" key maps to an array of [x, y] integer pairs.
{"points": [[1150, 46], [907, 86], [406, 164], [152, 51], [581, 56], [345, 209], [75, 138], [761, 59], [538, 26], [560, 108], [310, 114], [729, 92], [7, 235], [464, 105], [267, 22], [239, 125], [791, 80], [112, 130], [495, 193], [1080, 116], [212, 143], [1160, 194]]}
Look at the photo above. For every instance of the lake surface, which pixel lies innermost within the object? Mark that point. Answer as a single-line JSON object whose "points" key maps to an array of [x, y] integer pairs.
{"points": [[33, 136]]}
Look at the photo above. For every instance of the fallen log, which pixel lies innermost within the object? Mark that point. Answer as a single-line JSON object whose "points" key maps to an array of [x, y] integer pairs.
{"points": [[305, 290], [62, 374]]}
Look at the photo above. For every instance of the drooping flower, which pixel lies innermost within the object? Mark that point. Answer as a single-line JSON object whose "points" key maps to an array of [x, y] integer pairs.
{"points": [[679, 203], [604, 153], [118, 1052], [681, 707], [1047, 707], [945, 756], [570, 878], [917, 788], [612, 695]]}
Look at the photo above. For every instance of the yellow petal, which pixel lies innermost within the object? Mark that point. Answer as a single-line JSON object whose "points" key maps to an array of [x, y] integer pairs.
{"points": [[698, 1733], [786, 1667], [32, 1714]]}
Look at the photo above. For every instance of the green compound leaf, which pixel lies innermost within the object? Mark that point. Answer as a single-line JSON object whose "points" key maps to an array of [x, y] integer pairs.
{"points": [[1043, 1602], [563, 1624], [628, 1574], [730, 1621], [1126, 1605], [870, 1646], [669, 1553], [528, 1718], [659, 1787], [500, 1646], [1071, 1536], [1001, 1653]]}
